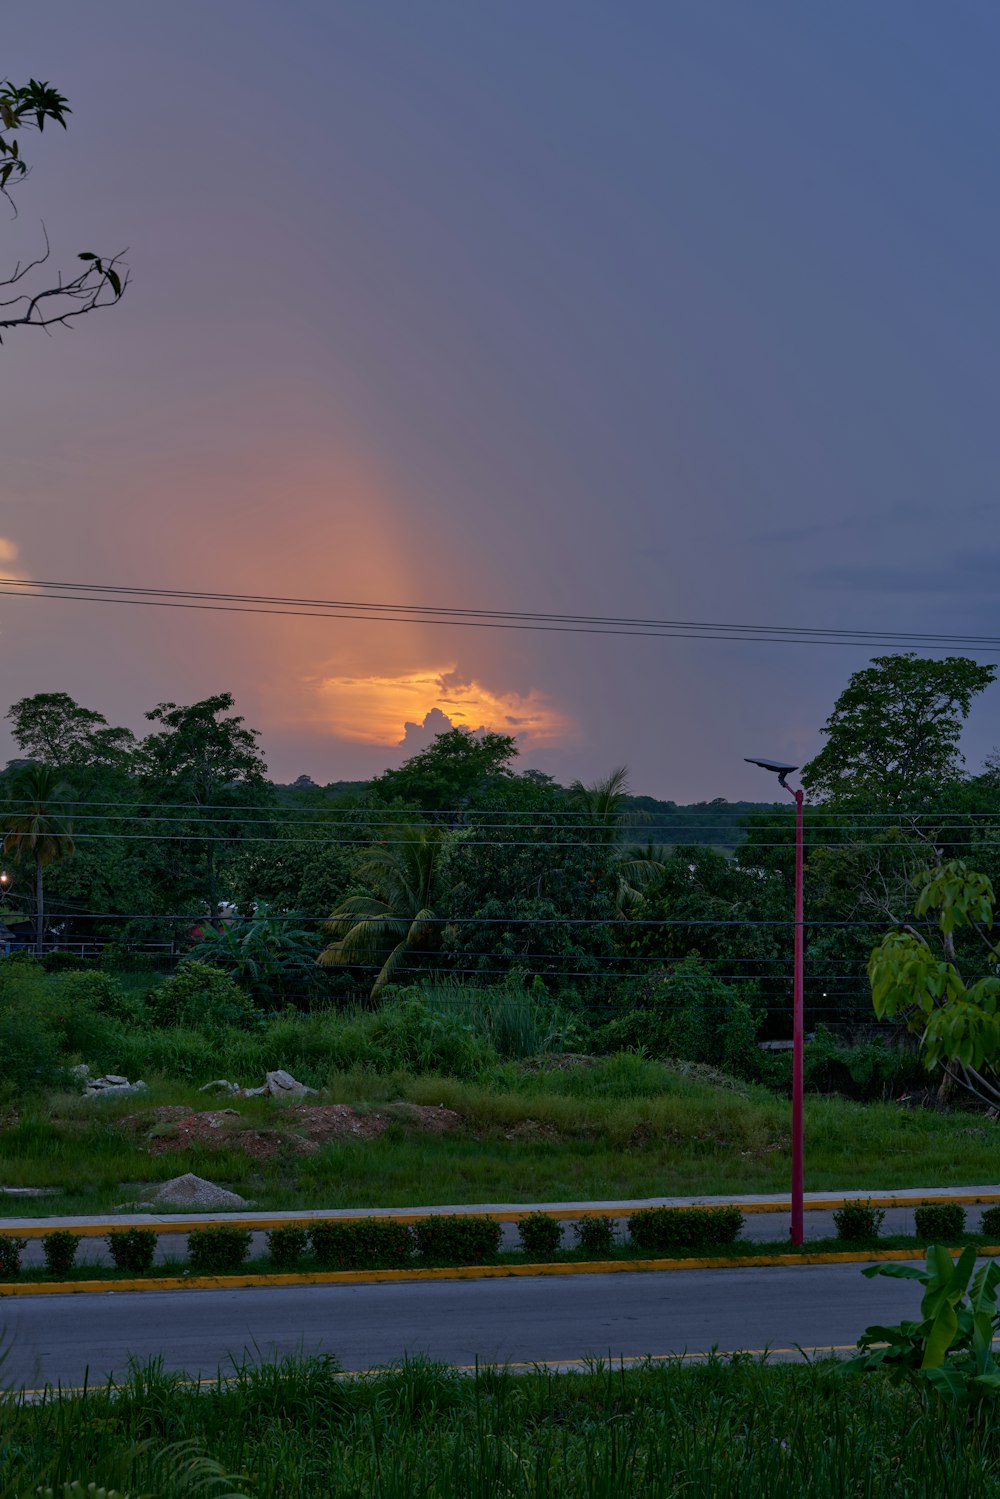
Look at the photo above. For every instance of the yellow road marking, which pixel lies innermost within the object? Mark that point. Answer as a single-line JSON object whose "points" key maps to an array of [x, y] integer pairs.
{"points": [[458, 1272]]}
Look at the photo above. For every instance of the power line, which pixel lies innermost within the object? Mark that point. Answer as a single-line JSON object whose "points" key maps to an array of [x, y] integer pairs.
{"points": [[389, 613]]}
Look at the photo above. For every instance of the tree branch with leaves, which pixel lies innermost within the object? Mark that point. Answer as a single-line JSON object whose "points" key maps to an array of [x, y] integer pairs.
{"points": [[101, 280], [956, 1019]]}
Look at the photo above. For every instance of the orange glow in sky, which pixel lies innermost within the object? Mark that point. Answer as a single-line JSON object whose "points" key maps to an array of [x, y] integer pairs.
{"points": [[375, 709]]}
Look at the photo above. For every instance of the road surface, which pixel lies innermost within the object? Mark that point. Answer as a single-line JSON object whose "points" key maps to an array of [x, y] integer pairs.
{"points": [[517, 1321]]}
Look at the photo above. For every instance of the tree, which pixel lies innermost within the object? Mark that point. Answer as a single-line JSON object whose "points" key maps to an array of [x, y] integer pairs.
{"points": [[37, 829], [457, 767], [894, 731], [957, 1019], [53, 729], [204, 761], [605, 803], [407, 878], [103, 278]]}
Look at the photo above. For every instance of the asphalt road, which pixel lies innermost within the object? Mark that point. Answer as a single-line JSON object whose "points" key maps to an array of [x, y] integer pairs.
{"points": [[517, 1321]]}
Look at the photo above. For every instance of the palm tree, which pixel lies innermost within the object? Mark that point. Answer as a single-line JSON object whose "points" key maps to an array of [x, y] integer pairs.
{"points": [[406, 877], [604, 801], [37, 828]]}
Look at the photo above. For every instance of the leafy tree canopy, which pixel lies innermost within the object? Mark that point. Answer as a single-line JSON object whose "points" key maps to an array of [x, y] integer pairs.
{"points": [[895, 729], [53, 729], [203, 751], [458, 766], [103, 278]]}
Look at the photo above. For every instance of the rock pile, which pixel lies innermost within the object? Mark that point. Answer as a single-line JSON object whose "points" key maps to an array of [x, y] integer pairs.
{"points": [[277, 1084], [109, 1084], [190, 1191]]}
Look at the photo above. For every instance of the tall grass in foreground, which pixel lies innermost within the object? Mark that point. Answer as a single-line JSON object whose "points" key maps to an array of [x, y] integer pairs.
{"points": [[739, 1428]]}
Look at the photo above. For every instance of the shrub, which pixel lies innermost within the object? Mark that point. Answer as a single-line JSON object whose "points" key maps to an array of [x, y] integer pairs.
{"points": [[691, 1014], [29, 1053], [540, 1235], [684, 1228], [61, 961], [857, 1222], [990, 1224], [132, 1248], [101, 992], [11, 1249], [940, 1222], [596, 1235], [59, 1249], [215, 1251], [203, 997], [362, 1245], [457, 1238], [286, 1246]]}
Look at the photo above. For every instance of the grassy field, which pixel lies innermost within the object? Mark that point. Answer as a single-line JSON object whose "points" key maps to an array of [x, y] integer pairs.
{"points": [[741, 1429], [623, 1128]]}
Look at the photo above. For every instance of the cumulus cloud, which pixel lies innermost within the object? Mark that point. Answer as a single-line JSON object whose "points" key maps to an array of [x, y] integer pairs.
{"points": [[407, 707]]}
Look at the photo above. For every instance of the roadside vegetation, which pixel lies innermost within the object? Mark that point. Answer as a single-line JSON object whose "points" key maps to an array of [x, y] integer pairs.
{"points": [[740, 1427], [417, 1102]]}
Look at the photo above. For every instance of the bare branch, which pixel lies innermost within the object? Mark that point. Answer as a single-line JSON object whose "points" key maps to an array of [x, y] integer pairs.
{"points": [[100, 284]]}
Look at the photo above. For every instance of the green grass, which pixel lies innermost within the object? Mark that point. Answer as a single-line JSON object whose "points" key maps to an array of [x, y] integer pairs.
{"points": [[605, 1132], [737, 1428]]}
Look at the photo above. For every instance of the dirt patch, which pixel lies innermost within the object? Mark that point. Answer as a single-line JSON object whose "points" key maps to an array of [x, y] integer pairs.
{"points": [[338, 1121], [217, 1129], [304, 1127], [532, 1129]]}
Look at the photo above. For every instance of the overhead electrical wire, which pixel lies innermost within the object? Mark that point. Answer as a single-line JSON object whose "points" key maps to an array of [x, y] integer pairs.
{"points": [[496, 619]]}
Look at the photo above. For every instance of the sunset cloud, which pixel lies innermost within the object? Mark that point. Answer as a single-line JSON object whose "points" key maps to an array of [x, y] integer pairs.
{"points": [[385, 709]]}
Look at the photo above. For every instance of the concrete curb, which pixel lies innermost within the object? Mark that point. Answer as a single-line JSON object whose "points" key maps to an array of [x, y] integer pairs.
{"points": [[458, 1272], [37, 1228]]}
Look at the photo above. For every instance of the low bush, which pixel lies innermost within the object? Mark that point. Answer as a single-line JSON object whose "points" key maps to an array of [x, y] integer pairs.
{"points": [[11, 1249], [595, 1235], [61, 961], [29, 1053], [132, 1248], [540, 1235], [361, 1245], [203, 997], [940, 1222], [684, 1228], [59, 1249], [457, 1238], [217, 1251], [858, 1222], [990, 1225], [286, 1246]]}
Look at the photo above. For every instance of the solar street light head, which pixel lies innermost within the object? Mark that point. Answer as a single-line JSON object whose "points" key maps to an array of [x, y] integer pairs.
{"points": [[780, 769]]}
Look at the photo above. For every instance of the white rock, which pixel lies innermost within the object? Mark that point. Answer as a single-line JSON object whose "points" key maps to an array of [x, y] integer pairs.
{"points": [[221, 1083], [281, 1083], [193, 1191]]}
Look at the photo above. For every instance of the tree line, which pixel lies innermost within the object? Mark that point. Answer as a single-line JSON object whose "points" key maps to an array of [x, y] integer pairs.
{"points": [[458, 863]]}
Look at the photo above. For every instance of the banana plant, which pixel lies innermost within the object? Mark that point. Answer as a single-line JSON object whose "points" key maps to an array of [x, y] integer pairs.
{"points": [[950, 1349]]}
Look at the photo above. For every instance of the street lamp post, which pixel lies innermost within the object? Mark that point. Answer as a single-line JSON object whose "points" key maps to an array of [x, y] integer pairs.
{"points": [[798, 1027]]}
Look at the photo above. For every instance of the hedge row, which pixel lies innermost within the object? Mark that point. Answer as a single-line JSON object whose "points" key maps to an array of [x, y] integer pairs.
{"points": [[462, 1239], [376, 1243]]}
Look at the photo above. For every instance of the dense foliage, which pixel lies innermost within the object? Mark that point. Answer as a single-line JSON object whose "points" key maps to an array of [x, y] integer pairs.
{"points": [[511, 911]]}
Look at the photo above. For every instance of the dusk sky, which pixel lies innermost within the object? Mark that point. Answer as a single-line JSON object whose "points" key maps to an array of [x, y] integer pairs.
{"points": [[668, 309]]}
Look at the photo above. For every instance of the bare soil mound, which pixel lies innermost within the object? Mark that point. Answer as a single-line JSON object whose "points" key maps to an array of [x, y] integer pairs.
{"points": [[303, 1128]]}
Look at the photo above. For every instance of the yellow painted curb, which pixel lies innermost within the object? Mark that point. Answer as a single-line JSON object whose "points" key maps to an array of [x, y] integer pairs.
{"points": [[457, 1272], [564, 1215]]}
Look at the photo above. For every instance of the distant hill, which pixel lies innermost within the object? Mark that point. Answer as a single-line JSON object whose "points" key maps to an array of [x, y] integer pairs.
{"points": [[716, 822]]}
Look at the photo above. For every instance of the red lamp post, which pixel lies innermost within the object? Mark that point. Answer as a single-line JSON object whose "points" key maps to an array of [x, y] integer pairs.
{"points": [[798, 987]]}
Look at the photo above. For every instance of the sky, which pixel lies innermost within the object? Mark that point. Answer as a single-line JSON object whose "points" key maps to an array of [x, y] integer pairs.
{"points": [[662, 309]]}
